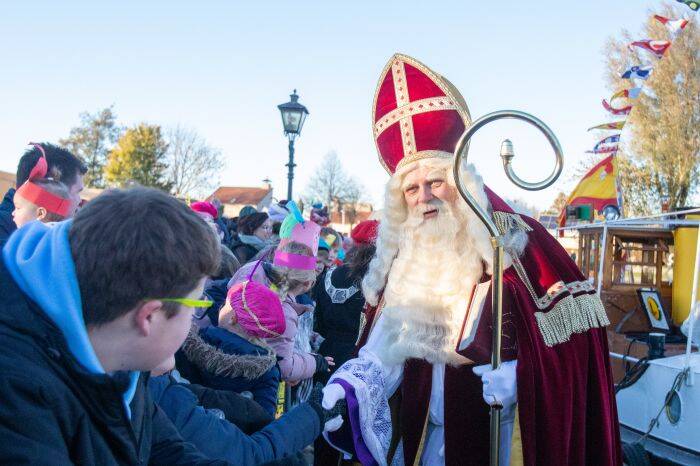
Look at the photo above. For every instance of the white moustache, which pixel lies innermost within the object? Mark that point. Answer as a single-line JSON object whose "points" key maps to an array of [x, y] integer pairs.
{"points": [[433, 204]]}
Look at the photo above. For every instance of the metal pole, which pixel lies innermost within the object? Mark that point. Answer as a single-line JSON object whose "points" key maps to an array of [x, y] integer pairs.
{"points": [[693, 309], [601, 257], [290, 173], [497, 240], [496, 322]]}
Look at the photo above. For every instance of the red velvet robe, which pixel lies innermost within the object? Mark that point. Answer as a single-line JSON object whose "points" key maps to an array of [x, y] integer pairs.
{"points": [[566, 400]]}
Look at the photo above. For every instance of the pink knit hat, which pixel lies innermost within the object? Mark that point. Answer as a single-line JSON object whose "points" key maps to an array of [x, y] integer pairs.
{"points": [[258, 309]]}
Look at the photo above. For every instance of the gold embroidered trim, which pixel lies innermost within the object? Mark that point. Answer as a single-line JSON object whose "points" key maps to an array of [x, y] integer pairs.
{"points": [[398, 73], [412, 108], [421, 445], [554, 291], [363, 323], [444, 85], [571, 315], [424, 154], [506, 222]]}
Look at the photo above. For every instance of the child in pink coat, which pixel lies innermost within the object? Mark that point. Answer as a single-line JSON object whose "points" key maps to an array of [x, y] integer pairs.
{"points": [[289, 276]]}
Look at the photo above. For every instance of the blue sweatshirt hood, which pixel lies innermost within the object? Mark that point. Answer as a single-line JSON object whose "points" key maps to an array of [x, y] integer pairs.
{"points": [[39, 259]]}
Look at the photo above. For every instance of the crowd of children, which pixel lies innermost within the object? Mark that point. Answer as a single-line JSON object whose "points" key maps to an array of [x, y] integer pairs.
{"points": [[138, 329]]}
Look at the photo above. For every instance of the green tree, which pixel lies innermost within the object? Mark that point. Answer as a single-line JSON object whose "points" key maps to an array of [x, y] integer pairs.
{"points": [[659, 155], [92, 140], [139, 157]]}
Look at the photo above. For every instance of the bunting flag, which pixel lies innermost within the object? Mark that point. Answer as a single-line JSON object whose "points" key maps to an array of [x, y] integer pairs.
{"points": [[637, 72], [674, 26], [597, 187], [614, 125], [632, 93], [657, 47], [617, 111], [607, 145], [693, 5]]}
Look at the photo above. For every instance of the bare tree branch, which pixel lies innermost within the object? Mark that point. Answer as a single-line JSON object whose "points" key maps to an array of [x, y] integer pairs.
{"points": [[193, 165], [332, 186]]}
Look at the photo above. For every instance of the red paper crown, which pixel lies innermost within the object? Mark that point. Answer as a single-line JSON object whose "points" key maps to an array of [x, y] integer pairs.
{"points": [[416, 114]]}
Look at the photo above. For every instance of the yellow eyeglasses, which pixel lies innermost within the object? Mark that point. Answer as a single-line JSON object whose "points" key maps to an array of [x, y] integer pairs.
{"points": [[188, 302]]}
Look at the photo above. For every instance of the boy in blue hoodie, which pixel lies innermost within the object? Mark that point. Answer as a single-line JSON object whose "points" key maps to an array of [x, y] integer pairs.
{"points": [[88, 306]]}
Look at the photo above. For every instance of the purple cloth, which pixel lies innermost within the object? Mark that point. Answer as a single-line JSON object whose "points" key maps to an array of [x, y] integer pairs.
{"points": [[344, 439]]}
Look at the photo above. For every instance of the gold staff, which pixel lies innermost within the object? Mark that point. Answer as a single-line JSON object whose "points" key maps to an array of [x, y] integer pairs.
{"points": [[497, 240]]}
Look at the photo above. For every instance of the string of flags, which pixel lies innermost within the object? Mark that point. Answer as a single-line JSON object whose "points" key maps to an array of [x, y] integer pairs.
{"points": [[606, 145], [599, 186]]}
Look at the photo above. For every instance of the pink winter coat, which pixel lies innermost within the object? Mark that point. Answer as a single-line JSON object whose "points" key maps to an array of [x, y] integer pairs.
{"points": [[294, 365]]}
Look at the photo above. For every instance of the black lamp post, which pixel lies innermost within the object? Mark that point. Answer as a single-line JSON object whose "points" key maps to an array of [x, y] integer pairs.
{"points": [[293, 116]]}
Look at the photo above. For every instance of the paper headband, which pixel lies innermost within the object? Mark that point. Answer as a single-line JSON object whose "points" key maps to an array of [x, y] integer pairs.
{"points": [[294, 261], [39, 196]]}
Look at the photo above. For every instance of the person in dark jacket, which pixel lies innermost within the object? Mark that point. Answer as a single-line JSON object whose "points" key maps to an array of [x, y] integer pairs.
{"points": [[240, 410], [339, 299], [338, 314], [7, 225], [218, 358], [217, 437], [254, 232], [62, 166], [72, 344]]}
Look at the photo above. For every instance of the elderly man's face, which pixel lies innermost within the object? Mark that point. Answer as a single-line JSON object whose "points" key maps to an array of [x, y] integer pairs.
{"points": [[425, 184]]}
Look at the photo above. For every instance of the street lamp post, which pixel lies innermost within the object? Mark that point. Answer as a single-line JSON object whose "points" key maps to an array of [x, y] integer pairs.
{"points": [[293, 117]]}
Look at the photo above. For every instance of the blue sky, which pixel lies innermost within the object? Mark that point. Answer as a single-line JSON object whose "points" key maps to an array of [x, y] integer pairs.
{"points": [[222, 68]]}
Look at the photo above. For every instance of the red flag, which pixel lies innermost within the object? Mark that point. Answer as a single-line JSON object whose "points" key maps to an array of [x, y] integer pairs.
{"points": [[617, 111], [657, 47], [674, 25]]}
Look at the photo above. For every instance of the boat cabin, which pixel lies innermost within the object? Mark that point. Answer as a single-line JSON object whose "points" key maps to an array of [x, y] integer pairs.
{"points": [[633, 258]]}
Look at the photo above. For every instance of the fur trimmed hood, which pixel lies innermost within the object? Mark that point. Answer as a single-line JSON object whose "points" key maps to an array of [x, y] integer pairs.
{"points": [[211, 359]]}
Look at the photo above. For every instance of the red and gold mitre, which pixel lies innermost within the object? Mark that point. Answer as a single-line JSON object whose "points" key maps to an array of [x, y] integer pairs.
{"points": [[416, 114]]}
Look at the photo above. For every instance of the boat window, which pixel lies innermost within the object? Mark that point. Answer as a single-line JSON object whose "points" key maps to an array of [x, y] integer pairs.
{"points": [[588, 262], [641, 262]]}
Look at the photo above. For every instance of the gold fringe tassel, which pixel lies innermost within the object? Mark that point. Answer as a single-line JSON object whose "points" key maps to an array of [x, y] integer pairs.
{"points": [[571, 315], [506, 222]]}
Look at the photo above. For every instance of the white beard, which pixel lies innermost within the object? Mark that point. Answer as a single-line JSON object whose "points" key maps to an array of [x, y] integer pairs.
{"points": [[428, 288]]}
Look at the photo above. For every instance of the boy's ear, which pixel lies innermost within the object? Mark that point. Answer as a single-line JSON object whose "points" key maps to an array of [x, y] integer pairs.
{"points": [[40, 213], [143, 318]]}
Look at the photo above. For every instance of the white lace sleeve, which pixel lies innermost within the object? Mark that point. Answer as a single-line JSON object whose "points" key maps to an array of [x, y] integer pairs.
{"points": [[373, 383]]}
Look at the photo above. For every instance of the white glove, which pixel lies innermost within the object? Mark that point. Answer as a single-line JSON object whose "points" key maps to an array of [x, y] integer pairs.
{"points": [[500, 387], [332, 393], [334, 424]]}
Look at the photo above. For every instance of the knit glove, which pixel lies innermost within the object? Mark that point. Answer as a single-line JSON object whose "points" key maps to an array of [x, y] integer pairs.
{"points": [[330, 418], [321, 363]]}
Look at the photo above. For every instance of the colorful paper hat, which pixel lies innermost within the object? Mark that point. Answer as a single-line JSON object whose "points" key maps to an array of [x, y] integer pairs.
{"points": [[416, 114], [39, 196], [296, 229]]}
